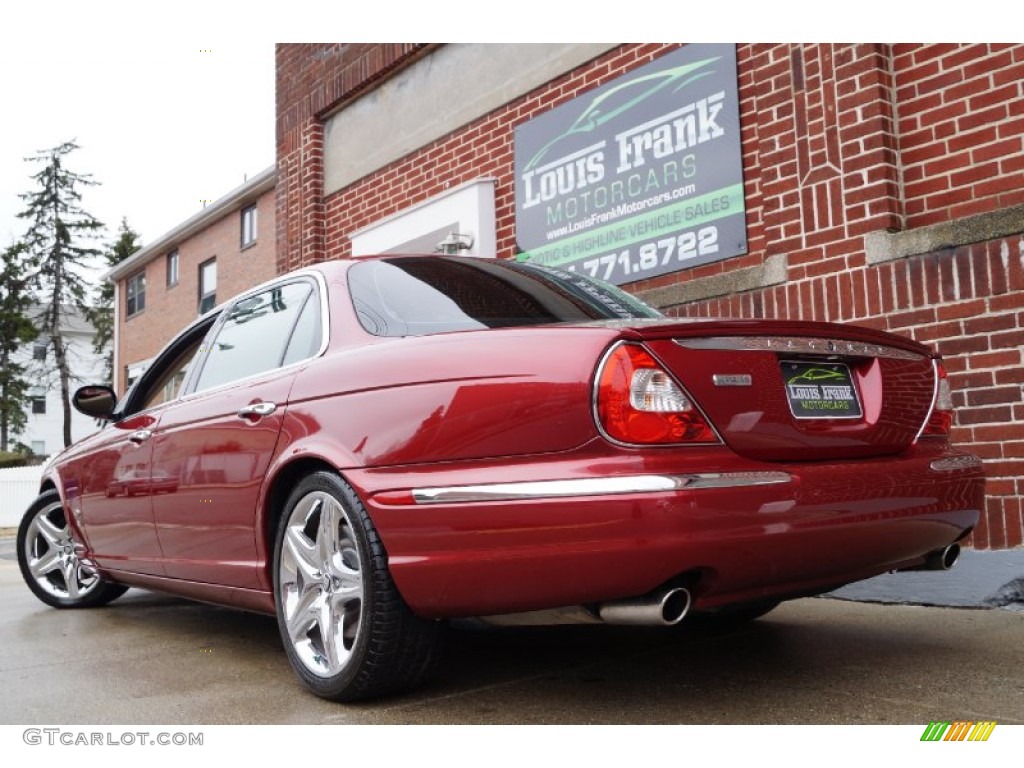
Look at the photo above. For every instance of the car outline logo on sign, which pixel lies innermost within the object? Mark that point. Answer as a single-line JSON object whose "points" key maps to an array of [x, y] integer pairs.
{"points": [[820, 390]]}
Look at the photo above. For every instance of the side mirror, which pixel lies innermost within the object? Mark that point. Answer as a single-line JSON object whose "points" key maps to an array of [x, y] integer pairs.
{"points": [[95, 400]]}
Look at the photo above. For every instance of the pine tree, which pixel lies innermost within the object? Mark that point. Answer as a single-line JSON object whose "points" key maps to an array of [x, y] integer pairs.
{"points": [[58, 253], [102, 314], [16, 330]]}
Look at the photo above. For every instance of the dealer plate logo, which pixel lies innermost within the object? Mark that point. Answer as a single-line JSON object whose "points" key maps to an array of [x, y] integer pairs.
{"points": [[820, 390]]}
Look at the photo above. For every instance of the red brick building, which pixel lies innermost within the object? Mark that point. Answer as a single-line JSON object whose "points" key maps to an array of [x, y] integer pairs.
{"points": [[881, 185], [224, 249]]}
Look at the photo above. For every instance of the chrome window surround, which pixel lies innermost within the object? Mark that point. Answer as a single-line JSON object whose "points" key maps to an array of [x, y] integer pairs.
{"points": [[187, 392]]}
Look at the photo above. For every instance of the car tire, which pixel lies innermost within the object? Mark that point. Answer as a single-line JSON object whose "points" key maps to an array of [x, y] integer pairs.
{"points": [[50, 559], [347, 632]]}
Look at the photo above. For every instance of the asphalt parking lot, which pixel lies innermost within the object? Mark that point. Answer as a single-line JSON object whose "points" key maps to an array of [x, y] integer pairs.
{"points": [[154, 659]]}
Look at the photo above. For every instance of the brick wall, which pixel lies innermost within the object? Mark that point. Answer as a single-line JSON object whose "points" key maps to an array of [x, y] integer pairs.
{"points": [[957, 151], [838, 142], [312, 79], [961, 121]]}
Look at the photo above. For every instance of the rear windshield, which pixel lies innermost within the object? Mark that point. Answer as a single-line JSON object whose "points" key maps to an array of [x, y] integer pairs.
{"points": [[414, 296]]}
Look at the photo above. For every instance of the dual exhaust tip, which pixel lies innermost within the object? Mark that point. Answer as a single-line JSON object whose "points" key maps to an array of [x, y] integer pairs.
{"points": [[668, 607], [664, 607]]}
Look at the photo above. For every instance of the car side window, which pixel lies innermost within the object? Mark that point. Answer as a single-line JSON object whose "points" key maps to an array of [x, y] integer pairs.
{"points": [[306, 336], [163, 380], [255, 334], [166, 388]]}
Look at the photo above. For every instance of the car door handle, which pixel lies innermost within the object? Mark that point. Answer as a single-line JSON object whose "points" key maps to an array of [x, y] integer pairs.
{"points": [[257, 409], [140, 435]]}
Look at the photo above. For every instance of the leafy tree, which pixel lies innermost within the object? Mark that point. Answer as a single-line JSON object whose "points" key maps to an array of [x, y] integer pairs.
{"points": [[59, 254], [102, 315], [16, 330]]}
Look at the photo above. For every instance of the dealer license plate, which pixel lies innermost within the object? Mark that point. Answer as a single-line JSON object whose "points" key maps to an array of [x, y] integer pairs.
{"points": [[820, 390]]}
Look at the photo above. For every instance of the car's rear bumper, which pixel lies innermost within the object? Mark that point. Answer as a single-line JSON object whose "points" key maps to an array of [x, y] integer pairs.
{"points": [[475, 540]]}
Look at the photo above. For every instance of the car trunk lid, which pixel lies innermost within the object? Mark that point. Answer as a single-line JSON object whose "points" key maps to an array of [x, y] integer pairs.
{"points": [[795, 391]]}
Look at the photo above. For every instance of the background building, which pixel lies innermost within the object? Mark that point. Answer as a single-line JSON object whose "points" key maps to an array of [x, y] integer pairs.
{"points": [[44, 425], [222, 250], [877, 184]]}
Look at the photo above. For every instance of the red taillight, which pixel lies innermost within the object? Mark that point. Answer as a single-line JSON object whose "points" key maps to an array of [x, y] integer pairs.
{"points": [[940, 420], [639, 402]]}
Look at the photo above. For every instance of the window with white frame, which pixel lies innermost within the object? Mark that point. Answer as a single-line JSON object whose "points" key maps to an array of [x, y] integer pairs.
{"points": [[173, 264], [207, 286], [134, 370], [135, 294], [248, 225]]}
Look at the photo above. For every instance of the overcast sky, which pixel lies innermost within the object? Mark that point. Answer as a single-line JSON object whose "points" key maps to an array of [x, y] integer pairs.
{"points": [[174, 104], [164, 120]]}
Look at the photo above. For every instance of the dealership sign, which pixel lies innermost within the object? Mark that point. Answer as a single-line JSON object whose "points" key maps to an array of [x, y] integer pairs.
{"points": [[640, 177]]}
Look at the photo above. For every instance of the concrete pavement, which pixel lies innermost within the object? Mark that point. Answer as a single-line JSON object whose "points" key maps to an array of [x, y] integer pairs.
{"points": [[980, 579], [153, 659]]}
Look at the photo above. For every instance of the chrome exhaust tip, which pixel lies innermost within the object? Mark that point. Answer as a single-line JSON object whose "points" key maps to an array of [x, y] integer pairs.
{"points": [[664, 608], [946, 558], [939, 560]]}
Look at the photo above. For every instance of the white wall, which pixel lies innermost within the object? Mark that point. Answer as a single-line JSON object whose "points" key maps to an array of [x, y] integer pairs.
{"points": [[19, 487], [466, 209], [86, 367]]}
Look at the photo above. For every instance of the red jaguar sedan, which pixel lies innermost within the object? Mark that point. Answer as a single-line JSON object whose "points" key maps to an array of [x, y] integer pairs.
{"points": [[369, 448]]}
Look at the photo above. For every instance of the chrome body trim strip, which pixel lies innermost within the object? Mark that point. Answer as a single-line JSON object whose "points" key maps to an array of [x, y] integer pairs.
{"points": [[798, 345], [594, 486], [955, 463], [935, 399]]}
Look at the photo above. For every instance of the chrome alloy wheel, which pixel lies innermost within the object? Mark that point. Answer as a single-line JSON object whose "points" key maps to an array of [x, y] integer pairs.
{"points": [[52, 556], [320, 584]]}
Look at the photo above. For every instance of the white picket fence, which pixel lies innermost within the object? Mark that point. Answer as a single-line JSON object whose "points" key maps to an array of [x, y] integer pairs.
{"points": [[18, 487]]}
